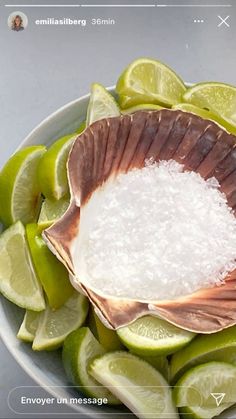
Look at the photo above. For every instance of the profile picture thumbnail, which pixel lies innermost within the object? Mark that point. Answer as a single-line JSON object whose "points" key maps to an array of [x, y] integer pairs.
{"points": [[17, 21]]}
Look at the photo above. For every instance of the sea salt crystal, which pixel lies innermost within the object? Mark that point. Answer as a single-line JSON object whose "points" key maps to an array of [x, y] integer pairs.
{"points": [[159, 233]]}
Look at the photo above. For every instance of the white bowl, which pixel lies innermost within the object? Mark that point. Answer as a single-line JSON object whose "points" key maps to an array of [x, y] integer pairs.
{"points": [[46, 367]]}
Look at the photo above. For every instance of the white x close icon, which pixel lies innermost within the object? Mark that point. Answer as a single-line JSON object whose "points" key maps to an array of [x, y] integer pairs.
{"points": [[223, 21]]}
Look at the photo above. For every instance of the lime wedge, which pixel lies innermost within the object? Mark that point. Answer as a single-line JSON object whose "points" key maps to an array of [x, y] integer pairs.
{"points": [[149, 81], [218, 98], [18, 282], [205, 114], [29, 326], [107, 337], [127, 102], [51, 273], [52, 174], [81, 128], [19, 189], [196, 392], [220, 346], [51, 211], [80, 347], [55, 325], [160, 363], [101, 104], [152, 336], [136, 383], [142, 107]]}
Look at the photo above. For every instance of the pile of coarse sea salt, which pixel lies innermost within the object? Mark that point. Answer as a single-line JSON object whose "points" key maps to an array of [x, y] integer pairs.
{"points": [[159, 233]]}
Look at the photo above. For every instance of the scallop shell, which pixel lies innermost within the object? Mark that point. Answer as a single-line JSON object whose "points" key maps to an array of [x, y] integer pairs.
{"points": [[114, 145]]}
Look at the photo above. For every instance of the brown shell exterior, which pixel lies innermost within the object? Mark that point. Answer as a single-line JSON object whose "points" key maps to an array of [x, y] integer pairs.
{"points": [[115, 145]]}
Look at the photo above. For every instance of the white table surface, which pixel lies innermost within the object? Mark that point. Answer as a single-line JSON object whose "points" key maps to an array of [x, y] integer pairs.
{"points": [[42, 68]]}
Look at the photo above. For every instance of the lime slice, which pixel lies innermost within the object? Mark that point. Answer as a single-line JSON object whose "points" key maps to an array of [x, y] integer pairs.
{"points": [[195, 392], [142, 107], [52, 174], [220, 346], [101, 104], [18, 282], [136, 383], [80, 347], [203, 113], [51, 211], [149, 81], [29, 326], [19, 189], [218, 98], [51, 273], [107, 337], [150, 335], [55, 325]]}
